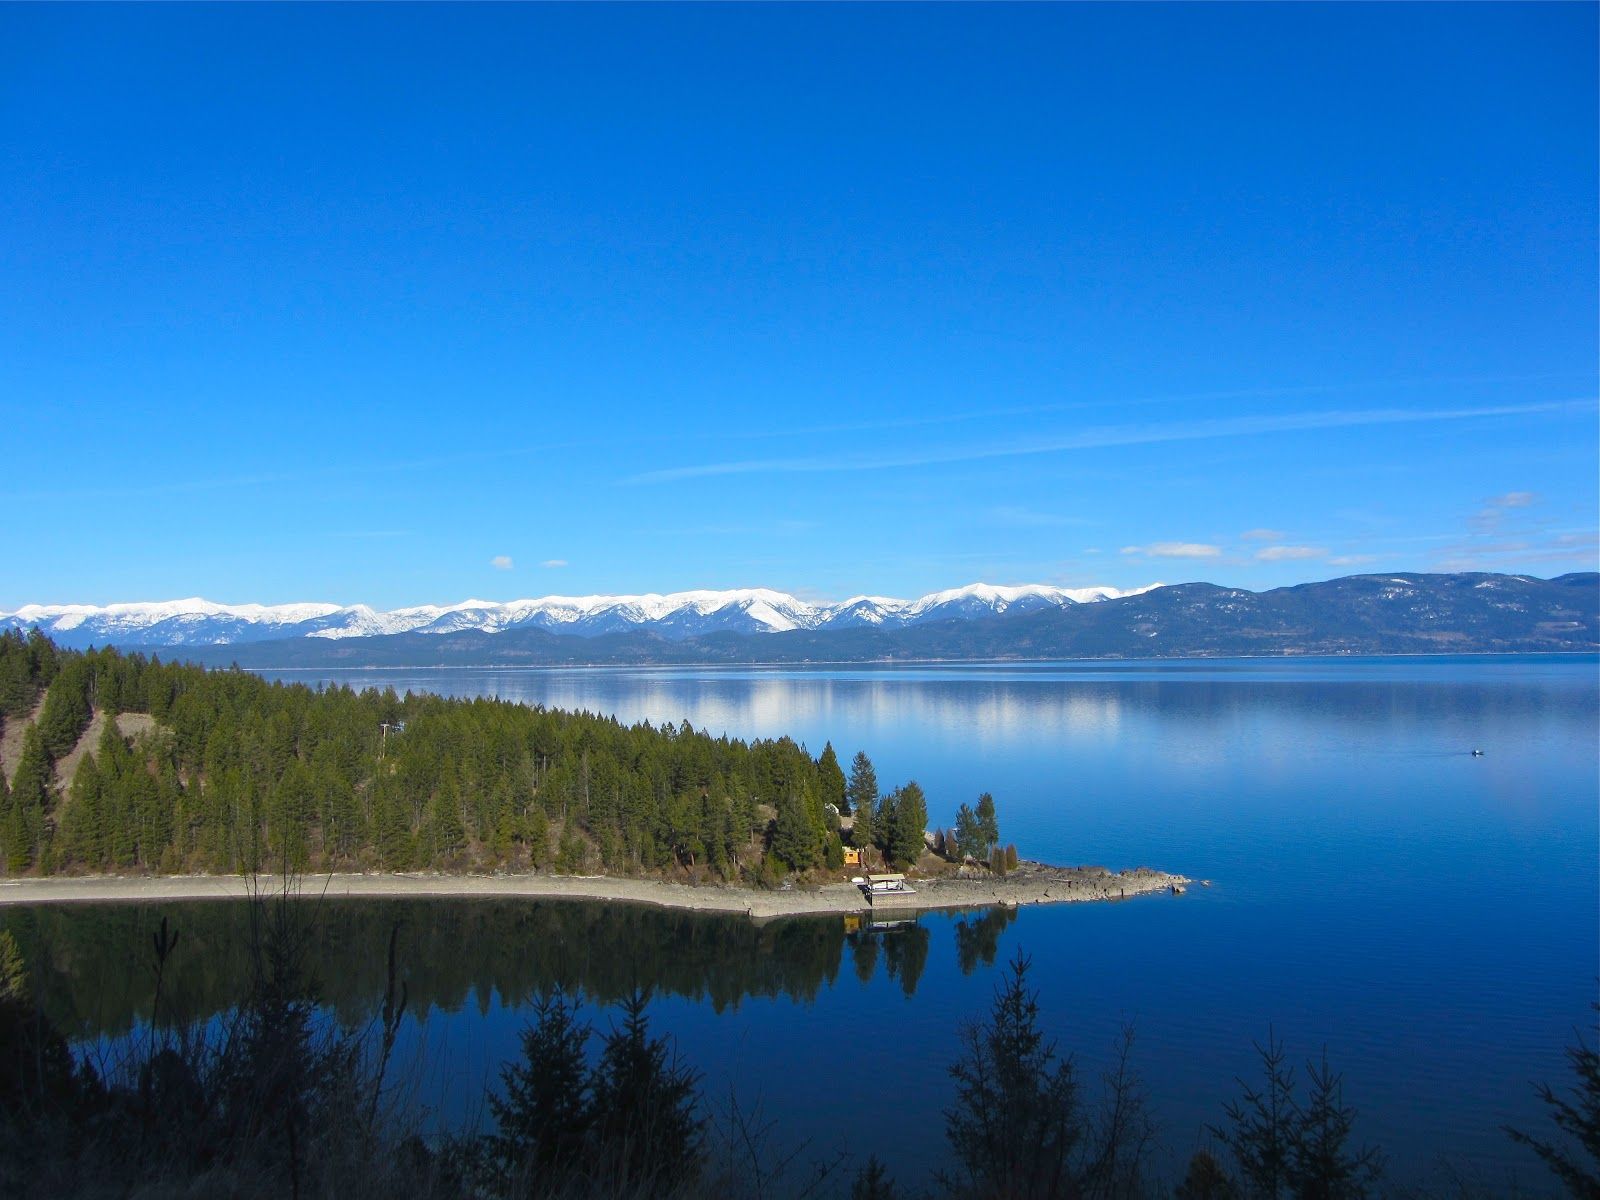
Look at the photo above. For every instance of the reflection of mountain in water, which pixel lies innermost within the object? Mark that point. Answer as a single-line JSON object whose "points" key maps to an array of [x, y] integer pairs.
{"points": [[1003, 707], [91, 968]]}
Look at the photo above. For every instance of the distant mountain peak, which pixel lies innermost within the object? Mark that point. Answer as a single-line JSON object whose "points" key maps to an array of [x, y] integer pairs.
{"points": [[199, 622]]}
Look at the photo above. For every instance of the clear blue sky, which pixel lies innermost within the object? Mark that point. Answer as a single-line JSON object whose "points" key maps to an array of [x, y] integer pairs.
{"points": [[347, 303]]}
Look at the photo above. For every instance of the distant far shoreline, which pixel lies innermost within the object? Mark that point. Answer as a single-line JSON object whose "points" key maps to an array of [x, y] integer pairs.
{"points": [[1031, 883], [174, 652]]}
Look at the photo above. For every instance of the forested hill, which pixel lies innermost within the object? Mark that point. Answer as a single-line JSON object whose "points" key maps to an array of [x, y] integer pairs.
{"points": [[232, 773], [1359, 614]]}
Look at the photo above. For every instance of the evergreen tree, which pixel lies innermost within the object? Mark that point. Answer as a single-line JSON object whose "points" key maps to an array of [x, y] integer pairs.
{"points": [[988, 823], [862, 790], [647, 1123], [396, 846], [872, 1182], [16, 844], [544, 1118], [1284, 1148], [32, 794], [17, 686], [287, 810], [1015, 1125], [1576, 1163], [342, 825], [1322, 1165], [536, 836], [831, 786], [42, 659], [832, 852], [83, 822], [794, 838], [1263, 1126], [446, 832], [883, 823], [861, 831], [66, 709], [908, 825], [969, 834]]}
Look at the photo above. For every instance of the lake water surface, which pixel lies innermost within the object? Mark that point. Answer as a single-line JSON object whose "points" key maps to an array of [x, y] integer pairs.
{"points": [[1427, 916]]}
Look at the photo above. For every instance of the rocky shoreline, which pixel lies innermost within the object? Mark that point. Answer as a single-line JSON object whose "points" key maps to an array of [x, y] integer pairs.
{"points": [[1030, 883]]}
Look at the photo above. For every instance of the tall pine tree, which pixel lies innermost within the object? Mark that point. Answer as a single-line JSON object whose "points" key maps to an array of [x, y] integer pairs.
{"points": [[66, 709], [830, 781], [861, 831], [5, 814], [909, 824], [794, 838], [988, 822], [862, 791], [970, 842], [83, 820], [31, 796], [1016, 1124]]}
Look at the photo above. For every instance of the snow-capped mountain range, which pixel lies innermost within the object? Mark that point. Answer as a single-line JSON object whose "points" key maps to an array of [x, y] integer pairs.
{"points": [[197, 622]]}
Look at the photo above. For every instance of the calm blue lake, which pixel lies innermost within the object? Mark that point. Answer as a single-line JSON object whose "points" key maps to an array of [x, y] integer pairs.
{"points": [[1431, 918]]}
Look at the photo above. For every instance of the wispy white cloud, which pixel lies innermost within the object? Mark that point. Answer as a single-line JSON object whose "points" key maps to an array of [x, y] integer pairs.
{"points": [[1497, 509], [1566, 548], [1514, 500], [1263, 535], [1285, 553], [1175, 550], [1351, 560], [551, 564], [1120, 403], [501, 562], [1101, 437]]}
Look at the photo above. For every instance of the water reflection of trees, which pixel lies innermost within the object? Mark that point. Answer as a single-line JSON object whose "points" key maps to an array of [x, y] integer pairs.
{"points": [[978, 937], [91, 966], [1023, 705]]}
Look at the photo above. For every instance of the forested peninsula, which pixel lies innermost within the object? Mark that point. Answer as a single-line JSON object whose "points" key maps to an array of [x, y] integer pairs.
{"points": [[121, 764]]}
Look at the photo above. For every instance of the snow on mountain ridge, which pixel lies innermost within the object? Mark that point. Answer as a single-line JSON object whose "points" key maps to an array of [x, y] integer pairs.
{"points": [[196, 621], [149, 612]]}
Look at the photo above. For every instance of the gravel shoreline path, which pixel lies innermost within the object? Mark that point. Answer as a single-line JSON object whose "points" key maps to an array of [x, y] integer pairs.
{"points": [[1031, 883]]}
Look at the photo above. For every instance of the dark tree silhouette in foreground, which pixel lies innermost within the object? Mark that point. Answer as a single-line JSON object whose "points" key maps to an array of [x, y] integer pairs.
{"points": [[628, 1126], [646, 1105], [1015, 1124], [1284, 1148], [542, 1120], [1578, 1119]]}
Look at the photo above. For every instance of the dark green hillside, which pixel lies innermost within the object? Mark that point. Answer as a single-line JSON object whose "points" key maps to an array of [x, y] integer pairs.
{"points": [[239, 774]]}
